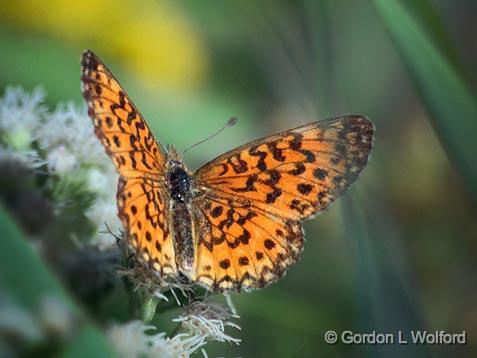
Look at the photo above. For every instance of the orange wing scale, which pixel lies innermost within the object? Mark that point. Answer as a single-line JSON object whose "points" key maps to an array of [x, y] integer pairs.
{"points": [[139, 161]]}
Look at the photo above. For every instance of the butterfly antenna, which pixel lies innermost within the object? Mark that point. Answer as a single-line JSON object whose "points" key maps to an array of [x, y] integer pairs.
{"points": [[231, 122]]}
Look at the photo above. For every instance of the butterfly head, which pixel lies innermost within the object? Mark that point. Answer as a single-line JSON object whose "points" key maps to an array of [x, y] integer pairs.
{"points": [[173, 155]]}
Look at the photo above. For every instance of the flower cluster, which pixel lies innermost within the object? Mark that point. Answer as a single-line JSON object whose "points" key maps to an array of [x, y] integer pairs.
{"points": [[62, 144], [134, 339], [199, 323]]}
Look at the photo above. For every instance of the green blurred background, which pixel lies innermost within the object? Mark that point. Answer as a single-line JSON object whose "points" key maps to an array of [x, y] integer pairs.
{"points": [[398, 251]]}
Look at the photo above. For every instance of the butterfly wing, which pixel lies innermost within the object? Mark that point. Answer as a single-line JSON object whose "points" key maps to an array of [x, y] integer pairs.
{"points": [[254, 197], [139, 161], [241, 246]]}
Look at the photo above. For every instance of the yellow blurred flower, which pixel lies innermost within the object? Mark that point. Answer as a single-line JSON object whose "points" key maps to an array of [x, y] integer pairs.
{"points": [[154, 38]]}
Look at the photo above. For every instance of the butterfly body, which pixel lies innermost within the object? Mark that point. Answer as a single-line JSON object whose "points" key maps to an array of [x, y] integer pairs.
{"points": [[179, 194], [235, 223]]}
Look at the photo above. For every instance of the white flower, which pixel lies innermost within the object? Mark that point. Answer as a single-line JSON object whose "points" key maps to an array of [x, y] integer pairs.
{"points": [[208, 320], [103, 214], [20, 115], [101, 176], [28, 158], [98, 181], [70, 128], [68, 137], [61, 161], [70, 147], [132, 340]]}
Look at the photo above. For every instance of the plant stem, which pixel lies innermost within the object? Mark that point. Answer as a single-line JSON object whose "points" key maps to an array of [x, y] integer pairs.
{"points": [[148, 309]]}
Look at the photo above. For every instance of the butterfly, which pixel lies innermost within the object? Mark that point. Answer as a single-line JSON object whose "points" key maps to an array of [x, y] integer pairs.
{"points": [[235, 223]]}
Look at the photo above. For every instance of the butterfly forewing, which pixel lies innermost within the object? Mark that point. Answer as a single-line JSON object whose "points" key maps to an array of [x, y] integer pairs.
{"points": [[296, 173], [117, 123], [139, 161]]}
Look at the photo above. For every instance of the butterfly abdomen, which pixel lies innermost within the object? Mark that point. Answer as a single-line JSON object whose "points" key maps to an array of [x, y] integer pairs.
{"points": [[182, 236], [179, 185]]}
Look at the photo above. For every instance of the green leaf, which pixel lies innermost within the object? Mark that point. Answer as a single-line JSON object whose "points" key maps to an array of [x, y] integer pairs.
{"points": [[22, 273], [382, 292], [28, 281], [451, 106], [427, 15]]}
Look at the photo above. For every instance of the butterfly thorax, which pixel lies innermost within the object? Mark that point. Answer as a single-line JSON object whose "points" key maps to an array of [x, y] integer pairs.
{"points": [[179, 183], [178, 178]]}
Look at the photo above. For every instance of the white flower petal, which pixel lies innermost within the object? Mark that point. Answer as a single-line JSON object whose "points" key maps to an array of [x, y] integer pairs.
{"points": [[133, 340], [208, 320]]}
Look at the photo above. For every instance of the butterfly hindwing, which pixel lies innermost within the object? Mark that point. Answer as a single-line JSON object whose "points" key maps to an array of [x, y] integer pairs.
{"points": [[241, 246], [143, 211]]}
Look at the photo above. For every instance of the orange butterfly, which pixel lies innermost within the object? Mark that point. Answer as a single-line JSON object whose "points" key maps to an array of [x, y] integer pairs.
{"points": [[236, 222]]}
